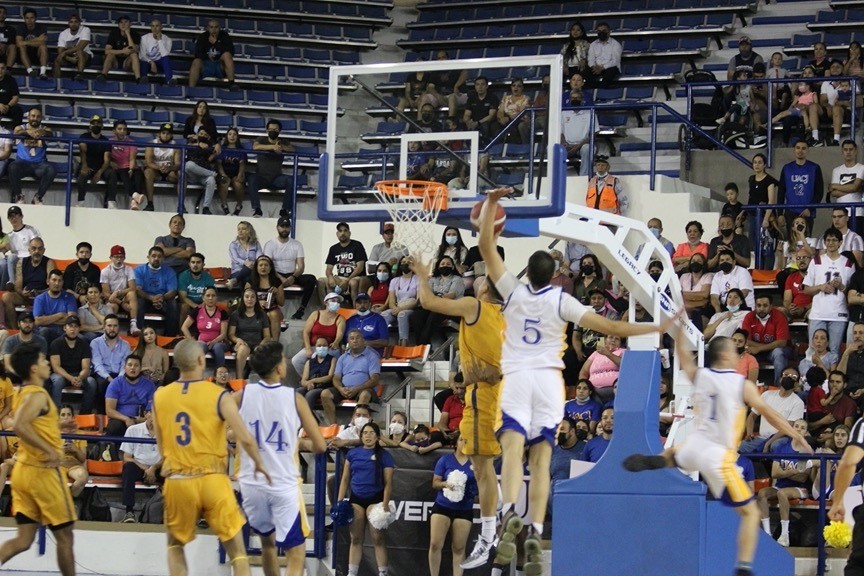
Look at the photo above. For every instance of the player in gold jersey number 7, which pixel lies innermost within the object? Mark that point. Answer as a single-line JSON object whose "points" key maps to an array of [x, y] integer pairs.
{"points": [[191, 416]]}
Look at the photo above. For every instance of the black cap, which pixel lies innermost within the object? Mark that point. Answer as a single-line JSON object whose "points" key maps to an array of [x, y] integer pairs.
{"points": [[362, 296], [26, 316], [284, 222], [166, 127], [601, 158], [597, 291], [14, 210], [72, 320]]}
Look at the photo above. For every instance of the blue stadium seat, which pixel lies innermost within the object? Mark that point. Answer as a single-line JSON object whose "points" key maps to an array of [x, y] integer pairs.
{"points": [[250, 122], [223, 121], [155, 117], [516, 150], [301, 29], [89, 15], [301, 72], [313, 127], [691, 20], [261, 96], [318, 100], [229, 95], [636, 45], [317, 55], [665, 68], [497, 52], [288, 53], [242, 26], [306, 150], [271, 70], [640, 93], [291, 99], [54, 111], [346, 57], [133, 88], [552, 28], [608, 94], [525, 50], [257, 51], [613, 120], [391, 127], [660, 22], [693, 43], [128, 114], [289, 125], [512, 179], [271, 27], [465, 53], [525, 29], [328, 31], [244, 68], [87, 112], [200, 93], [48, 84], [357, 34], [70, 85], [664, 44], [347, 182], [183, 21], [719, 19], [168, 91]]}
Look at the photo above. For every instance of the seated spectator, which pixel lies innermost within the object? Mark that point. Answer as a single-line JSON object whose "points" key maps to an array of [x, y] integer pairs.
{"points": [[769, 334], [248, 327], [481, 110], [289, 261], [728, 242], [445, 283], [31, 158], [818, 354], [74, 460], [70, 366], [231, 166], [604, 59], [156, 287], [837, 406], [835, 97], [242, 252], [784, 401], [108, 354], [121, 48], [421, 441], [728, 319], [851, 242], [789, 482], [52, 307], [371, 324], [92, 314], [155, 52], [816, 388], [73, 47], [346, 264], [805, 105], [748, 366], [596, 446], [561, 276], [25, 334], [829, 310], [161, 163], [200, 118], [192, 283], [31, 279], [379, 291], [94, 158], [201, 168], [8, 51], [124, 167], [214, 55], [271, 151], [571, 440], [796, 302], [397, 431], [602, 366], [349, 435], [586, 341], [32, 43], [575, 51], [696, 289], [451, 414], [576, 124], [851, 364], [317, 373], [511, 107], [402, 299], [177, 249], [211, 326], [141, 462], [839, 439], [684, 252], [655, 226], [584, 405], [385, 252], [326, 322], [118, 287], [271, 297], [128, 397], [355, 378], [589, 278], [81, 274], [729, 275], [788, 250], [154, 358]]}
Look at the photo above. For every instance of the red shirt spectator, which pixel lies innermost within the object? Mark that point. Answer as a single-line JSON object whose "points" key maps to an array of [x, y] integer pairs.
{"points": [[766, 330], [793, 285], [454, 406]]}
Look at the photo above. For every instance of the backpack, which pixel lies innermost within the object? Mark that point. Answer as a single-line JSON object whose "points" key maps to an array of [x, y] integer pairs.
{"points": [[154, 509], [733, 135], [94, 507], [103, 451]]}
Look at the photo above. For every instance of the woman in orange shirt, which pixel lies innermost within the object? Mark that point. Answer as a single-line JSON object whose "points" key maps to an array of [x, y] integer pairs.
{"points": [[694, 245]]}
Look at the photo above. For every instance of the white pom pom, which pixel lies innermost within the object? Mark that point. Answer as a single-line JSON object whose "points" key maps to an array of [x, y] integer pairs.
{"points": [[455, 490], [380, 519]]}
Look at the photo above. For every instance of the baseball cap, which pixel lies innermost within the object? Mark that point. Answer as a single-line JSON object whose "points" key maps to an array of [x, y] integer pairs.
{"points": [[388, 227], [26, 316], [96, 118], [343, 225], [118, 250], [744, 40], [283, 223], [72, 320], [597, 291], [601, 158], [333, 296], [362, 296], [166, 127], [16, 210]]}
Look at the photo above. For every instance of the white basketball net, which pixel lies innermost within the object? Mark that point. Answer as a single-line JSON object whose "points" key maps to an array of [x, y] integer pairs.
{"points": [[413, 207]]}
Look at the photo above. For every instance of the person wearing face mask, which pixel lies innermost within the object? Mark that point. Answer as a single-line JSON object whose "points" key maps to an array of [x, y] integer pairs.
{"points": [[588, 279], [604, 59], [747, 366], [785, 402], [446, 283], [745, 59], [728, 276], [95, 157], [355, 378], [605, 192], [596, 446], [655, 226], [726, 321], [386, 252], [452, 245], [571, 439], [200, 167], [271, 151], [326, 322], [31, 158], [402, 300], [769, 334], [584, 405], [371, 324], [727, 241], [317, 373], [81, 273], [696, 289], [397, 430], [118, 286]]}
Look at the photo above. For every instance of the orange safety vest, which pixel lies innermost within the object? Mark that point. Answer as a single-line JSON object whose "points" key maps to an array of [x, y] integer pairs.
{"points": [[607, 199]]}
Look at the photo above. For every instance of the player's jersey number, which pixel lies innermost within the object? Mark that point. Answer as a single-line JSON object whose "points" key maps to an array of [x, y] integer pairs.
{"points": [[530, 331], [275, 435], [185, 435]]}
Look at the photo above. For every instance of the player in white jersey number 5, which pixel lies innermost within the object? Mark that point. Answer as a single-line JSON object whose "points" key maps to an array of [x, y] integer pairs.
{"points": [[719, 398], [274, 414], [532, 390]]}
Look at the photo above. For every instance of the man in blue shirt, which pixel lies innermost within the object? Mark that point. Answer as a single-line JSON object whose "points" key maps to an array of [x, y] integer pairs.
{"points": [[156, 286], [108, 352], [52, 307], [129, 395], [372, 325], [30, 158], [355, 378], [800, 183], [596, 447]]}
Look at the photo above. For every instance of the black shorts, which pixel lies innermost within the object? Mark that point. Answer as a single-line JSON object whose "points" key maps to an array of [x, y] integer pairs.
{"points": [[366, 502], [453, 514]]}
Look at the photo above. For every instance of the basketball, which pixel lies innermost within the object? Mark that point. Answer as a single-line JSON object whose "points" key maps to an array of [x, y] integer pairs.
{"points": [[500, 217]]}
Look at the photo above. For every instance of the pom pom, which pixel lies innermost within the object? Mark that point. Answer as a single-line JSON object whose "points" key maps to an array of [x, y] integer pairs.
{"points": [[380, 519], [342, 513], [837, 534], [455, 490]]}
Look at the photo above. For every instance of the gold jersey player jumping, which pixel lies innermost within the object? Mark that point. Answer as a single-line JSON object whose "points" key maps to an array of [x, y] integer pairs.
{"points": [[480, 328], [191, 417], [40, 492]]}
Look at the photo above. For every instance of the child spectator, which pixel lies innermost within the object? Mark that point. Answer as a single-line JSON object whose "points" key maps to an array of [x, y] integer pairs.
{"points": [[397, 431], [733, 207], [317, 372], [420, 441]]}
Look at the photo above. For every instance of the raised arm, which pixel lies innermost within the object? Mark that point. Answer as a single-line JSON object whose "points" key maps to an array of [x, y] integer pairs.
{"points": [[487, 241]]}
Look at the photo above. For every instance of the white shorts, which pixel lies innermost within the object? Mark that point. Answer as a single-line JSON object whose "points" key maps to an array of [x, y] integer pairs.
{"points": [[718, 466], [276, 509], [532, 403]]}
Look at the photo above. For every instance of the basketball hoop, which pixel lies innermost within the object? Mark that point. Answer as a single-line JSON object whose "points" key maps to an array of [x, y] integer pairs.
{"points": [[413, 206]]}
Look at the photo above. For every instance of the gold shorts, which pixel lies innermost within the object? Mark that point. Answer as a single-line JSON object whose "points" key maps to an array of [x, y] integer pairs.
{"points": [[210, 496], [479, 419], [42, 494]]}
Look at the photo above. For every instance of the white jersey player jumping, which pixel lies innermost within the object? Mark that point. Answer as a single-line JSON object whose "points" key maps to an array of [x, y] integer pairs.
{"points": [[532, 394], [719, 398], [274, 414]]}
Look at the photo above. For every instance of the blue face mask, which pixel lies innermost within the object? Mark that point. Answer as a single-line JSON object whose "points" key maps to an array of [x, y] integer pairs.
{"points": [[655, 232], [451, 240], [321, 351], [333, 306], [382, 276], [733, 307]]}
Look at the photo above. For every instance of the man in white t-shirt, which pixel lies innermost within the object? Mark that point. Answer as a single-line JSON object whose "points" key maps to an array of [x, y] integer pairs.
{"points": [[728, 276], [784, 401], [73, 47], [826, 280], [19, 241], [290, 262], [140, 462], [835, 98], [118, 286], [852, 241], [848, 178]]}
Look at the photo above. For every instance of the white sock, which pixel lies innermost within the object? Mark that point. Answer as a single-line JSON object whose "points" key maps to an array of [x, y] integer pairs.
{"points": [[784, 527], [815, 134], [836, 137], [353, 569], [538, 527], [29, 70], [42, 70], [506, 507], [766, 525], [487, 528], [496, 571], [382, 571]]}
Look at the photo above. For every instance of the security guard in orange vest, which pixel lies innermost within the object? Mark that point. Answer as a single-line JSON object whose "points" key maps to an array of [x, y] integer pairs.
{"points": [[604, 190]]}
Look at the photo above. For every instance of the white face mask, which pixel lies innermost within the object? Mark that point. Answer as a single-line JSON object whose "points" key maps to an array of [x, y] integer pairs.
{"points": [[396, 428], [451, 240], [360, 421], [382, 276], [321, 351], [333, 306]]}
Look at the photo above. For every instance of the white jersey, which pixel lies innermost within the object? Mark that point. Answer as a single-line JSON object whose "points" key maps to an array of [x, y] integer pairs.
{"points": [[718, 405], [534, 335], [846, 175], [116, 278], [270, 413], [163, 156], [829, 307], [19, 240]]}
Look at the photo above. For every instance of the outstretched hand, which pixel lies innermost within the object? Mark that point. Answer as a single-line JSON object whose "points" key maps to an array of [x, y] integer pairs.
{"points": [[671, 322], [420, 267], [499, 193]]}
